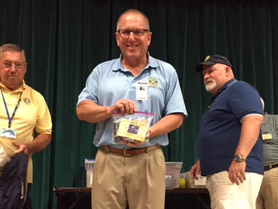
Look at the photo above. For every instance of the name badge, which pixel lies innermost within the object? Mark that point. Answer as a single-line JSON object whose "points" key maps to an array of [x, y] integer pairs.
{"points": [[8, 133], [266, 136], [142, 90]]}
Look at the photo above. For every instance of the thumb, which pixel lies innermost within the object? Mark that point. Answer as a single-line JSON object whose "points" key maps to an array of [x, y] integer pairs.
{"points": [[16, 144]]}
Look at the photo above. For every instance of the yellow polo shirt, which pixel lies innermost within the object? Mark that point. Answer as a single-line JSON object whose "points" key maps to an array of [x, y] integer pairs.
{"points": [[32, 115]]}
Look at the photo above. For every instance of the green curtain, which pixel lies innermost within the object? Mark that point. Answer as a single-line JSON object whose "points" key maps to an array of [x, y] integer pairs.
{"points": [[65, 39]]}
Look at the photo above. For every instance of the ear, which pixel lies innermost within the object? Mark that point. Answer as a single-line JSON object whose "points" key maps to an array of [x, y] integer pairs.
{"points": [[117, 38], [25, 69], [228, 71], [149, 38]]}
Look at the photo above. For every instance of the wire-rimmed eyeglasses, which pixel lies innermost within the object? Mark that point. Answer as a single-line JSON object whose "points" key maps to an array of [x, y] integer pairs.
{"points": [[17, 65]]}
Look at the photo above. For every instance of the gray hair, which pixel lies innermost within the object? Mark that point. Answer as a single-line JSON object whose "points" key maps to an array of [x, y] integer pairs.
{"points": [[134, 11], [11, 48]]}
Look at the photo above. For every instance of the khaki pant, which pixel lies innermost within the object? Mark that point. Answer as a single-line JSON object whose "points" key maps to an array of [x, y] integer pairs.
{"points": [[268, 195], [138, 181], [225, 195]]}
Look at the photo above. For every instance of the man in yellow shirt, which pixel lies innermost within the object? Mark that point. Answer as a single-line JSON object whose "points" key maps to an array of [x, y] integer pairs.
{"points": [[23, 110]]}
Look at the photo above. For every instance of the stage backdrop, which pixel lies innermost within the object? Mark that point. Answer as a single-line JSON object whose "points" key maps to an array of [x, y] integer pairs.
{"points": [[65, 39]]}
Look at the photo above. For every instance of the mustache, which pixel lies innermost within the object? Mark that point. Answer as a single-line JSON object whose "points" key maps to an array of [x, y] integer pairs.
{"points": [[208, 80]]}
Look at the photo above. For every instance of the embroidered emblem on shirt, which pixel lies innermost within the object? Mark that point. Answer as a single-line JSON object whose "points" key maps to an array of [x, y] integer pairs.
{"points": [[26, 101], [153, 82], [207, 58]]}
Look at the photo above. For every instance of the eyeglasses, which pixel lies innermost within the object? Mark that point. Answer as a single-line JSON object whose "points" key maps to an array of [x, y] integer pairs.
{"points": [[136, 32], [18, 65]]}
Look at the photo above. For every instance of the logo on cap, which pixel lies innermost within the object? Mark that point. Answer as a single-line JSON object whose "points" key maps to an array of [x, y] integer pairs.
{"points": [[207, 58]]}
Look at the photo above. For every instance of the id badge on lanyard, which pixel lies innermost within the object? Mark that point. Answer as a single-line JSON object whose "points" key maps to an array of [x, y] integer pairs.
{"points": [[9, 132], [142, 90]]}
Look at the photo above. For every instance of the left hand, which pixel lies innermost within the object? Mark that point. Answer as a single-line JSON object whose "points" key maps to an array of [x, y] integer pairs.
{"points": [[133, 144], [237, 172], [136, 143], [22, 148]]}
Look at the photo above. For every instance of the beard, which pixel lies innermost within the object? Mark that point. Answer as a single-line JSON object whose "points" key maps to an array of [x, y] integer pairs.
{"points": [[210, 86]]}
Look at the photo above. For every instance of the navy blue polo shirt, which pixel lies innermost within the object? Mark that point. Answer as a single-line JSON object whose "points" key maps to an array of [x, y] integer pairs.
{"points": [[220, 126]]}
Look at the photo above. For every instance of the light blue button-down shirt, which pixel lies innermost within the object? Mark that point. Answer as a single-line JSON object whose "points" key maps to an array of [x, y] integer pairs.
{"points": [[110, 82]]}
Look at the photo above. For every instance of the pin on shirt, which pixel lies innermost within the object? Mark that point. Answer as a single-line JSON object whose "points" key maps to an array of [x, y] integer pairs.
{"points": [[266, 136]]}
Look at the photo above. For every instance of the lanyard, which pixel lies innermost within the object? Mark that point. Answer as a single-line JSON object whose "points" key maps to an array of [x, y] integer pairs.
{"points": [[16, 106]]}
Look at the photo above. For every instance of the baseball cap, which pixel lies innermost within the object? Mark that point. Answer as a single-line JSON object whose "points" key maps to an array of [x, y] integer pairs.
{"points": [[211, 60]]}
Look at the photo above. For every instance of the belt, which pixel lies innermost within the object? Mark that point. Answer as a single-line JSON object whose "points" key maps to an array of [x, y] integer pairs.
{"points": [[129, 151], [270, 166]]}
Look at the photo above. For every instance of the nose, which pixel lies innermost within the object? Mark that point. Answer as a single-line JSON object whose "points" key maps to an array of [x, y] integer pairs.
{"points": [[131, 36], [13, 68], [205, 76]]}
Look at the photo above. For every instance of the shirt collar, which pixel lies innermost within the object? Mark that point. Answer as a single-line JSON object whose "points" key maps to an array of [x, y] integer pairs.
{"points": [[117, 66], [226, 85], [229, 83], [20, 89]]}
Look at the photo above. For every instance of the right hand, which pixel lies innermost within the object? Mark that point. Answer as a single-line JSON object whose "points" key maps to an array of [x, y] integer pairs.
{"points": [[195, 170], [22, 148], [124, 106]]}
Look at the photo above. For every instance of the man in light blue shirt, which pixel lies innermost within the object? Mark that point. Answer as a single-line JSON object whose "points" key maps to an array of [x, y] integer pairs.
{"points": [[133, 172]]}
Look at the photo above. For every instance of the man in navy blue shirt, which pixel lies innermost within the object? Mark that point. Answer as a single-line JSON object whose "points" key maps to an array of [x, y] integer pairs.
{"points": [[229, 146]]}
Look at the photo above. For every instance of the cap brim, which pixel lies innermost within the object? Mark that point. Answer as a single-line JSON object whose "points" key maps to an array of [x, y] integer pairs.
{"points": [[199, 67]]}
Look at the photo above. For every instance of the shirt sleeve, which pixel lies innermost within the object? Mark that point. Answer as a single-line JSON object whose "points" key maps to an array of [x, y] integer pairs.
{"points": [[174, 97], [245, 101], [90, 91], [43, 123]]}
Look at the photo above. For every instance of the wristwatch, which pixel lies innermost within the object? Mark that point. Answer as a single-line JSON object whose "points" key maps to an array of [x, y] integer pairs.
{"points": [[238, 158]]}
